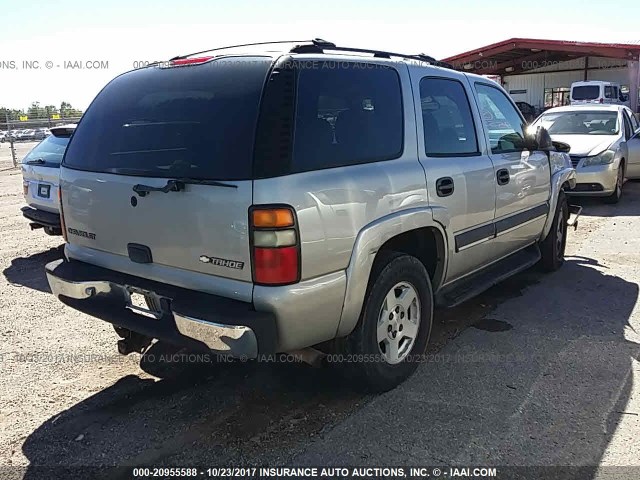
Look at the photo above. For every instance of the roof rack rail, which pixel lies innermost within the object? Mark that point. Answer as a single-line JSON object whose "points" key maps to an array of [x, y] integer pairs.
{"points": [[304, 42], [318, 46]]}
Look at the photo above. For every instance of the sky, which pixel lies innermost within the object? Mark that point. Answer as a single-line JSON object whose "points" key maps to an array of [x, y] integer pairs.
{"points": [[55, 38]]}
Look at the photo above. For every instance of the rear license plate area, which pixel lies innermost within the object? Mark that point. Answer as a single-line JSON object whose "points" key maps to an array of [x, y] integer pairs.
{"points": [[143, 302], [44, 190]]}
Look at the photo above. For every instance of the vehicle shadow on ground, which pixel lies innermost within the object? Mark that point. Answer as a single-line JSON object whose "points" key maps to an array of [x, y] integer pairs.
{"points": [[543, 385], [197, 413], [29, 271], [629, 204], [548, 390]]}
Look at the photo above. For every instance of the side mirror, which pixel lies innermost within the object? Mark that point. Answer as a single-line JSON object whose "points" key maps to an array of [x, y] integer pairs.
{"points": [[538, 139], [562, 147]]}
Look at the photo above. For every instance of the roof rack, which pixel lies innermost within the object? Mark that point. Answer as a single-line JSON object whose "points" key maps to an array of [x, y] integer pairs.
{"points": [[180, 57], [318, 45]]}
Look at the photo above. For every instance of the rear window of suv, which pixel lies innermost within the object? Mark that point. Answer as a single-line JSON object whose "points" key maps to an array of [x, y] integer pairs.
{"points": [[49, 151], [194, 121]]}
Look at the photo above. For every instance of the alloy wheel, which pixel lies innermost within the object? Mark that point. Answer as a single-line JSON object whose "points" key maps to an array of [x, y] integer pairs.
{"points": [[398, 322]]}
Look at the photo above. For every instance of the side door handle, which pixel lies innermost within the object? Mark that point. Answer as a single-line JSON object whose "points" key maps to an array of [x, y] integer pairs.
{"points": [[502, 176], [444, 186]]}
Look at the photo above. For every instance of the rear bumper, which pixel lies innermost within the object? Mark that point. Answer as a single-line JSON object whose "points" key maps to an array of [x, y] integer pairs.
{"points": [[41, 217], [196, 320]]}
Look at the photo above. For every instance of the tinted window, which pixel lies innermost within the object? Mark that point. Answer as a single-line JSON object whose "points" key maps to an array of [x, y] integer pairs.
{"points": [[580, 123], [192, 121], [346, 113], [501, 119], [446, 118], [50, 150], [586, 92]]}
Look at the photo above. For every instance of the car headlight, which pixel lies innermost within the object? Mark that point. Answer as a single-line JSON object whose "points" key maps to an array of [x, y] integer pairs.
{"points": [[603, 159]]}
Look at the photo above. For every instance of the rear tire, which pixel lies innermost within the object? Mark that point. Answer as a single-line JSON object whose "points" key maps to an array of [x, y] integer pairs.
{"points": [[617, 194], [395, 323], [552, 248]]}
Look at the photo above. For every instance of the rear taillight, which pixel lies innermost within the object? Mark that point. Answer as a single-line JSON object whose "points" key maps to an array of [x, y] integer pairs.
{"points": [[62, 225], [25, 188], [275, 244]]}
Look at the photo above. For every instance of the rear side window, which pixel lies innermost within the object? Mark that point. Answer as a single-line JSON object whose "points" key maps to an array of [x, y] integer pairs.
{"points": [[50, 150], [585, 92], [346, 113], [634, 121], [446, 118], [193, 121]]}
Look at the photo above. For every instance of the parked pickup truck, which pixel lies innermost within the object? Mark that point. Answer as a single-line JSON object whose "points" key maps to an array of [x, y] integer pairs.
{"points": [[209, 202]]}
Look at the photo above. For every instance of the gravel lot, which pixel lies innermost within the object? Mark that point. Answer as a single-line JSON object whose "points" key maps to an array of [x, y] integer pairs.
{"points": [[544, 378]]}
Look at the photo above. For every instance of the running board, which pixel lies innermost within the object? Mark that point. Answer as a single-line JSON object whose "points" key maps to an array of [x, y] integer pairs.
{"points": [[462, 290]]}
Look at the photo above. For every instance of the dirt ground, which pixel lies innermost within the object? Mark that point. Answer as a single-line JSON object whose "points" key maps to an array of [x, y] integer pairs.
{"points": [[67, 398]]}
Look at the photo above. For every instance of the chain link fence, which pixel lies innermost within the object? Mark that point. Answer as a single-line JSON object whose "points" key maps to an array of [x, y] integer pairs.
{"points": [[20, 136]]}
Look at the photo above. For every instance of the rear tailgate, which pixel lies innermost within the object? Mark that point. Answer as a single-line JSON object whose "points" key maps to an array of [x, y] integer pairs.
{"points": [[179, 228], [41, 170], [190, 127], [41, 186]]}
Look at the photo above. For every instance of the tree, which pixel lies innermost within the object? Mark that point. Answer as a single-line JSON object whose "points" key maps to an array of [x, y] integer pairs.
{"points": [[10, 114], [64, 109], [35, 111], [51, 110]]}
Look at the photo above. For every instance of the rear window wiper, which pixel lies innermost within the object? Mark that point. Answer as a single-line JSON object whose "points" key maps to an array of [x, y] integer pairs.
{"points": [[177, 185], [36, 161]]}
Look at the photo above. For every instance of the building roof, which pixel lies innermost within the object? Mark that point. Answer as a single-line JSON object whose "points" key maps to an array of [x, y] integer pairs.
{"points": [[517, 55]]}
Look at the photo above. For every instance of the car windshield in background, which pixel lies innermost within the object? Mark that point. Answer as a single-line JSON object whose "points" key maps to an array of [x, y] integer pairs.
{"points": [[580, 123], [194, 121], [587, 92], [49, 151]]}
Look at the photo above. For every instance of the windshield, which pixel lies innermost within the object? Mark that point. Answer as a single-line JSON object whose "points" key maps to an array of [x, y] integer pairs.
{"points": [[50, 150], [580, 123], [586, 92], [194, 121]]}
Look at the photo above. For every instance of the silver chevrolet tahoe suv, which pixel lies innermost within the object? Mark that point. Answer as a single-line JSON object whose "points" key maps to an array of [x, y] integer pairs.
{"points": [[316, 198]]}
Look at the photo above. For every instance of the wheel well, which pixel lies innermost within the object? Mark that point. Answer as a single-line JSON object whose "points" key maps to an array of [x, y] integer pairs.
{"points": [[426, 244]]}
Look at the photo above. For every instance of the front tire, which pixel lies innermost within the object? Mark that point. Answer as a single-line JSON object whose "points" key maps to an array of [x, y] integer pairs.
{"points": [[395, 323], [552, 248], [617, 194]]}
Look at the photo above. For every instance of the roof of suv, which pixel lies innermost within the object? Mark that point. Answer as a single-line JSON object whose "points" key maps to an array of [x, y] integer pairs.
{"points": [[310, 49]]}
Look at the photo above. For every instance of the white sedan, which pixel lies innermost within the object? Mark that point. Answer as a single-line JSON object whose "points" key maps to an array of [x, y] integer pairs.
{"points": [[605, 146]]}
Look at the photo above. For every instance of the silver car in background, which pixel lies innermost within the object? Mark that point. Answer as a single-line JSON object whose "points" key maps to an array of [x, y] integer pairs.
{"points": [[40, 172], [605, 146]]}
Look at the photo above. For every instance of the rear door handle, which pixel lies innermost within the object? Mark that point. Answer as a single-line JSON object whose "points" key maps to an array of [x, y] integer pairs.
{"points": [[502, 176], [444, 186]]}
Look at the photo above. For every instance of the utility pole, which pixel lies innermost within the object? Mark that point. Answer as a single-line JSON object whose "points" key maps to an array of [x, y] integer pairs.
{"points": [[13, 153]]}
